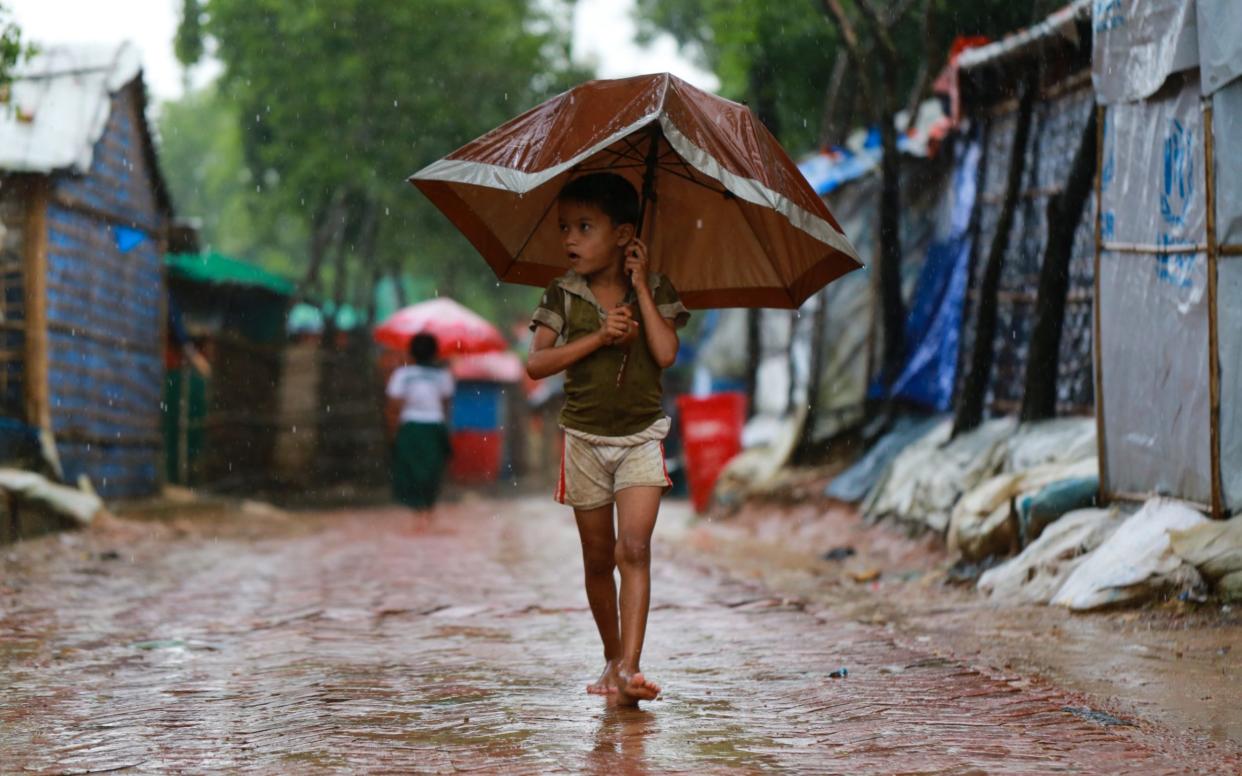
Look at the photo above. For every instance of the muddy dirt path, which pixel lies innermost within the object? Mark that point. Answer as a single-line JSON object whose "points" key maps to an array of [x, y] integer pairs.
{"points": [[354, 642]]}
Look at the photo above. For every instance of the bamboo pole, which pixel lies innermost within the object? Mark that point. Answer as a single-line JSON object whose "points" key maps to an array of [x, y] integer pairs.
{"points": [[38, 407], [1097, 344], [1218, 506]]}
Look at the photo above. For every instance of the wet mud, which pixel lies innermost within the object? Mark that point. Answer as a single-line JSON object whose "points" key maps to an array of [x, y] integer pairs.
{"points": [[362, 641]]}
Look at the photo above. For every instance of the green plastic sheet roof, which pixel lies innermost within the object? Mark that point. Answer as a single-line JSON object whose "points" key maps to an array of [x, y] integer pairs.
{"points": [[218, 269]]}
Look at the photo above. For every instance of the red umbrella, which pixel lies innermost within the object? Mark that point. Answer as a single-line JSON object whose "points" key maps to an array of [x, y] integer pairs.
{"points": [[728, 217], [459, 330]]}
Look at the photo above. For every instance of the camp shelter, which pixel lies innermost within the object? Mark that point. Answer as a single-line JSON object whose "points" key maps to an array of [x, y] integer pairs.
{"points": [[220, 408], [1168, 74], [1054, 57], [83, 216]]}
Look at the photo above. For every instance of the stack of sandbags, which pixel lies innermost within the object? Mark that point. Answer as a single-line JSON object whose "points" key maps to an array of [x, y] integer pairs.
{"points": [[1041, 569], [1215, 549], [1135, 562], [984, 522], [923, 483]]}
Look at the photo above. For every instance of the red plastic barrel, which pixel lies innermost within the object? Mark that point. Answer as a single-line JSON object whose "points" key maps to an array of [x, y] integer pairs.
{"points": [[711, 432], [476, 456]]}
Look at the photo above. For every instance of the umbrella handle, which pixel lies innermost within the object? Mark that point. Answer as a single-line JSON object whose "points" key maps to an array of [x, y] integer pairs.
{"points": [[648, 197]]}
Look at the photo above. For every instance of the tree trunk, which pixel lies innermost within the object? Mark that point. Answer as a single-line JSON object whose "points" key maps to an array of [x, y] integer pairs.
{"points": [[754, 347], [969, 411], [892, 306], [832, 125], [1065, 211], [819, 320], [325, 232], [339, 285]]}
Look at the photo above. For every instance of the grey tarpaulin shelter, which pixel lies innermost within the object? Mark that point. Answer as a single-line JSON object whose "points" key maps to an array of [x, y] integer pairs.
{"points": [[1168, 75]]}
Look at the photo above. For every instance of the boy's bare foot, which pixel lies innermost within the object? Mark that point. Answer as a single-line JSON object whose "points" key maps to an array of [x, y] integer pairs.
{"points": [[607, 682], [634, 688]]}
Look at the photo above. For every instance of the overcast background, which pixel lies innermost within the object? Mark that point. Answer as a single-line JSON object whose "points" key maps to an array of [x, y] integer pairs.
{"points": [[603, 33]]}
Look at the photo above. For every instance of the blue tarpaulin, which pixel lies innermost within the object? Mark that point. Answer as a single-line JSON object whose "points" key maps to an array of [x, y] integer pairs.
{"points": [[934, 325], [127, 238]]}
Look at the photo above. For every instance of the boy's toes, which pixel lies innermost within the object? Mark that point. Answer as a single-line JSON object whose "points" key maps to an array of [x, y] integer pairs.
{"points": [[642, 689]]}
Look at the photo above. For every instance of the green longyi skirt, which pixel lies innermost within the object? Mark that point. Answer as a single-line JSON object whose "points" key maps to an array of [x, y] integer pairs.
{"points": [[419, 458]]}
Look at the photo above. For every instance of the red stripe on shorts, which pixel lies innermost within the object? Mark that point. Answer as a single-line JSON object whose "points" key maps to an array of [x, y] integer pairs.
{"points": [[664, 463], [560, 485]]}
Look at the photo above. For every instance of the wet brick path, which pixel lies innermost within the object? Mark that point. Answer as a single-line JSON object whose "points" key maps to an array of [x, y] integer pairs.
{"points": [[350, 643]]}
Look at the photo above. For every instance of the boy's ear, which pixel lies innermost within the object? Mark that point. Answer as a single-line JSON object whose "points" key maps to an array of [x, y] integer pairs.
{"points": [[625, 233]]}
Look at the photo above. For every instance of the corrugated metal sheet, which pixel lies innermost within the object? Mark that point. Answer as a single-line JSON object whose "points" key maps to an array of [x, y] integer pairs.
{"points": [[59, 106]]}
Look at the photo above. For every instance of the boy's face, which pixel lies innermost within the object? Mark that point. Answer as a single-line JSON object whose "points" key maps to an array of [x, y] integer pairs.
{"points": [[591, 241]]}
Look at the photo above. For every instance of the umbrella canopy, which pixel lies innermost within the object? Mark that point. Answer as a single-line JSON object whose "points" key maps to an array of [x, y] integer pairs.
{"points": [[727, 216], [459, 330]]}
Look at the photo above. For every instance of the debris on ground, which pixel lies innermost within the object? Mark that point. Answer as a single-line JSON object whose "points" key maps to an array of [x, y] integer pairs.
{"points": [[839, 553], [79, 506]]}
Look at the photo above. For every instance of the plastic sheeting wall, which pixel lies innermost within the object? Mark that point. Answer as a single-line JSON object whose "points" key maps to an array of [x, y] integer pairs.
{"points": [[1055, 135], [104, 301], [1227, 123], [1154, 306]]}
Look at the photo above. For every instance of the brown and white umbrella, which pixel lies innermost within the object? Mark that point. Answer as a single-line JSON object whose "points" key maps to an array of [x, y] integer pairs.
{"points": [[726, 214]]}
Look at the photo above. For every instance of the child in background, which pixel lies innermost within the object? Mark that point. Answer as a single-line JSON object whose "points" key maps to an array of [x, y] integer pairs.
{"points": [[424, 391]]}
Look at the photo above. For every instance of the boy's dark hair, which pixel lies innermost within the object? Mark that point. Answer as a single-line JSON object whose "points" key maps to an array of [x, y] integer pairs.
{"points": [[423, 348], [607, 191]]}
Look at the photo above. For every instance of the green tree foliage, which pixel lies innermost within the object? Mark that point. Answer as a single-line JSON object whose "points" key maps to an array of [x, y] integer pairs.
{"points": [[783, 52], [773, 55], [201, 156], [340, 100], [12, 50], [188, 42]]}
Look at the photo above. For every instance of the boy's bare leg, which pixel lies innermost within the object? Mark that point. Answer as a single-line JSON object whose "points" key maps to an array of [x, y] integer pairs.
{"points": [[636, 518], [598, 553]]}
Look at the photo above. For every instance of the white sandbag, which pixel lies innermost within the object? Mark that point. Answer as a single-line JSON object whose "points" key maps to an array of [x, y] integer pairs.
{"points": [[77, 505], [982, 523], [1041, 569], [1135, 562], [1215, 547], [926, 480], [1062, 440]]}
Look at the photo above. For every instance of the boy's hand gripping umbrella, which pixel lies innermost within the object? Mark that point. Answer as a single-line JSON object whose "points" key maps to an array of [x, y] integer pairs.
{"points": [[725, 213]]}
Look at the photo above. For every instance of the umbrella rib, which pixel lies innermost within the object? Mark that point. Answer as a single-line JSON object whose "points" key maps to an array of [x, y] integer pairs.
{"points": [[531, 235], [737, 202]]}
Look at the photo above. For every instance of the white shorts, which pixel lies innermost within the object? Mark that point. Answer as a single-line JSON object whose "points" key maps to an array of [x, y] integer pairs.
{"points": [[594, 468]]}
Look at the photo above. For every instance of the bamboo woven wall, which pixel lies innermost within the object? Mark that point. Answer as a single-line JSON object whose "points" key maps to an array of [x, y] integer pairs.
{"points": [[105, 311]]}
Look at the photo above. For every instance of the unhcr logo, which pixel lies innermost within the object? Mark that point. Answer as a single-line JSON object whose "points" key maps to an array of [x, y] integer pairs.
{"points": [[1108, 15], [1178, 186]]}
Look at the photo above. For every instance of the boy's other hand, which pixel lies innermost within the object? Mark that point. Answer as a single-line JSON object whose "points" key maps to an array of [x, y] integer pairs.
{"points": [[619, 327], [636, 263]]}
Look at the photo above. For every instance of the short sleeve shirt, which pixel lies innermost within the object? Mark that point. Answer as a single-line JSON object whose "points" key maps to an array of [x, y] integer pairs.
{"points": [[595, 402], [422, 391]]}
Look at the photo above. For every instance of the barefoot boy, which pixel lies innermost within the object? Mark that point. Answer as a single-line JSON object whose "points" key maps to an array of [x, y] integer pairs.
{"points": [[611, 326]]}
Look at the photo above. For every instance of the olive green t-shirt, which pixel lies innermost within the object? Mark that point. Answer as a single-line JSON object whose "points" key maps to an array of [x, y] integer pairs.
{"points": [[594, 401]]}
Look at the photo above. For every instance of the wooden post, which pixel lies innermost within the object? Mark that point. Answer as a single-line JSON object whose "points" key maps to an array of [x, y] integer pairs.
{"points": [[1218, 506], [34, 281], [1096, 346]]}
